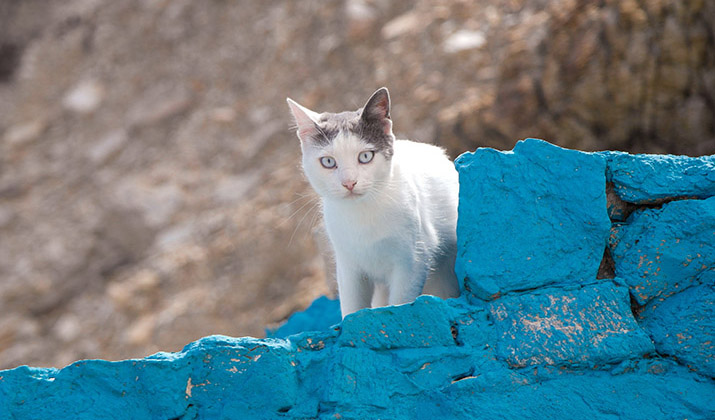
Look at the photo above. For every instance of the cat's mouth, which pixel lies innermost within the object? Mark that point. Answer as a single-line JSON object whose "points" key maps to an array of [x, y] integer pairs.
{"points": [[353, 195]]}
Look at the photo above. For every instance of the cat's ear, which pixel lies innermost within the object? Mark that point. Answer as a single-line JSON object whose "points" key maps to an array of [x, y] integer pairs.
{"points": [[305, 120], [377, 109], [378, 106]]}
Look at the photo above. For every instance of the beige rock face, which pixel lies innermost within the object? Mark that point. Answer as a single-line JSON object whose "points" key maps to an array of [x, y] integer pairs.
{"points": [[150, 189]]}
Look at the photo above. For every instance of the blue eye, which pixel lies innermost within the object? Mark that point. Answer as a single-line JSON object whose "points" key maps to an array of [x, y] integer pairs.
{"points": [[366, 156], [327, 162]]}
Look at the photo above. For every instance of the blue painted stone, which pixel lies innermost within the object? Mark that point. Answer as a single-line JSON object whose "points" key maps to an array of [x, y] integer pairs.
{"points": [[160, 386], [588, 326], [683, 326], [644, 179], [321, 315], [250, 367], [422, 323], [313, 375], [660, 390], [529, 218], [659, 252]]}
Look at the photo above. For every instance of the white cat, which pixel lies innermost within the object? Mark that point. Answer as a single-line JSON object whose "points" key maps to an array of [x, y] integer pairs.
{"points": [[390, 206]]}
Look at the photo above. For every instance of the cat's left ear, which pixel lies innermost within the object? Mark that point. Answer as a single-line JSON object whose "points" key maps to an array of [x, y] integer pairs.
{"points": [[377, 109], [305, 119]]}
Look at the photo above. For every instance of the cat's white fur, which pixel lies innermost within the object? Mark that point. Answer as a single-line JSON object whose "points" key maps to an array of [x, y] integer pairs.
{"points": [[394, 233]]}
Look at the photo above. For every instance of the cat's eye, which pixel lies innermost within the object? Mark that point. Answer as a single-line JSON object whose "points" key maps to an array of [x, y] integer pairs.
{"points": [[366, 156], [327, 162]]}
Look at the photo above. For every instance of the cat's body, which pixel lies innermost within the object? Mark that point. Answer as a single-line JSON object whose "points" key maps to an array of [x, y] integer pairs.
{"points": [[390, 206]]}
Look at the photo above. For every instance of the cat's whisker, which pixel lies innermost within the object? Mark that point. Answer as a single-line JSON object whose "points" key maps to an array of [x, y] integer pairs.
{"points": [[311, 199], [314, 220], [300, 222], [297, 201]]}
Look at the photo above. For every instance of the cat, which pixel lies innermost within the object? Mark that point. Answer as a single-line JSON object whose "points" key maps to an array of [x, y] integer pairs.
{"points": [[389, 206]]}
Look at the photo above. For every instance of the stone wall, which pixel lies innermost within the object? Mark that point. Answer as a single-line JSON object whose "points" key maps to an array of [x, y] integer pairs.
{"points": [[588, 285]]}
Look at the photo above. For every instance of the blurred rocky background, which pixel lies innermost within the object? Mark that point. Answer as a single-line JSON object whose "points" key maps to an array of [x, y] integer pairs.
{"points": [[150, 190]]}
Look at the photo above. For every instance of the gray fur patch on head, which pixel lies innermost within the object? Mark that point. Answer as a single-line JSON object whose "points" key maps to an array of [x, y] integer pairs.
{"points": [[329, 125], [373, 132]]}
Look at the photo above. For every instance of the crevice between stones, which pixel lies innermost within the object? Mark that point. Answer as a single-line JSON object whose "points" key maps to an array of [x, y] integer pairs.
{"points": [[190, 413], [636, 309], [462, 376], [454, 328], [607, 268], [619, 210]]}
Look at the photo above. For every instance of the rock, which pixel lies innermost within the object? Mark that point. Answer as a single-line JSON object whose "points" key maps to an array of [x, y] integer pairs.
{"points": [[572, 397], [85, 97], [404, 24], [682, 326], [618, 210], [16, 328], [322, 314], [135, 292], [107, 146], [7, 215], [644, 179], [361, 18], [659, 252], [589, 326], [159, 104], [386, 328], [176, 236], [464, 40], [28, 132], [222, 377], [520, 209], [68, 328], [140, 332], [157, 203], [232, 189], [224, 114]]}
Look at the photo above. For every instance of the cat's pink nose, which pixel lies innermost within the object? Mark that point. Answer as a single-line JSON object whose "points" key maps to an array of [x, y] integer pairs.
{"points": [[349, 185]]}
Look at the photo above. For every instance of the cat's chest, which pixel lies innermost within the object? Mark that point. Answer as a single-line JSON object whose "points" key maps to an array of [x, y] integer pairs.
{"points": [[365, 227]]}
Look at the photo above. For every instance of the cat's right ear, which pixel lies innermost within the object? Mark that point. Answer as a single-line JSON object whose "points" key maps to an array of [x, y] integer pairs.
{"points": [[305, 120], [377, 110]]}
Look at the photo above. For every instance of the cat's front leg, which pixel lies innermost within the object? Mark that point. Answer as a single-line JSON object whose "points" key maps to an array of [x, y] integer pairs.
{"points": [[354, 290], [381, 295], [406, 284]]}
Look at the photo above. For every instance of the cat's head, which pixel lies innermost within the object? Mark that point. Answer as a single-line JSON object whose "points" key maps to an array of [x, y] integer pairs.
{"points": [[347, 155]]}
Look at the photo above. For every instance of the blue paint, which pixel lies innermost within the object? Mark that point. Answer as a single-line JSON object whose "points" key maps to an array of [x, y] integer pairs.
{"points": [[529, 218], [683, 326], [647, 179], [587, 326], [425, 323], [322, 314], [530, 338], [662, 251]]}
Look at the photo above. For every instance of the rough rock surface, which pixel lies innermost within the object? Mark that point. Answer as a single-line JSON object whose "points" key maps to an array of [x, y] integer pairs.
{"points": [[683, 326], [541, 216], [644, 179], [588, 326], [322, 375], [562, 349], [320, 315], [659, 252], [148, 177]]}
